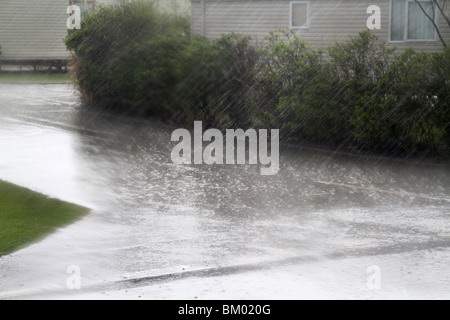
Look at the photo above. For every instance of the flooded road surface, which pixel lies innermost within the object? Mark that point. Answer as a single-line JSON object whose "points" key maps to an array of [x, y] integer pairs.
{"points": [[325, 227]]}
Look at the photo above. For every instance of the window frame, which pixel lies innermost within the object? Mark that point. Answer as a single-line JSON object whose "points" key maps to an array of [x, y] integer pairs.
{"points": [[308, 15], [80, 2], [406, 24]]}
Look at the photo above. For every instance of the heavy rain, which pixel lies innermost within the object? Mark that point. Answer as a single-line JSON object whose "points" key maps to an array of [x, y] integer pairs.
{"points": [[346, 216]]}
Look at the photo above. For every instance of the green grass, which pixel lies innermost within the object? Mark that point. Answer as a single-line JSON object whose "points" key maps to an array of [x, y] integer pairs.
{"points": [[27, 216], [34, 78]]}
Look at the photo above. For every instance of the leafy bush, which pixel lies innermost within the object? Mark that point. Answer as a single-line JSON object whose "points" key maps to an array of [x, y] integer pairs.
{"points": [[219, 81], [133, 58], [359, 95], [291, 70], [126, 57], [412, 102]]}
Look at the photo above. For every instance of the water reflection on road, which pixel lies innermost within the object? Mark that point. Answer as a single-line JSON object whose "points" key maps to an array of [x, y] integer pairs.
{"points": [[151, 217]]}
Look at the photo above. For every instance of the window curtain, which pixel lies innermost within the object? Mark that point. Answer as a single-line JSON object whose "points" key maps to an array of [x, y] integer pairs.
{"points": [[419, 25], [85, 6], [300, 15], [398, 20]]}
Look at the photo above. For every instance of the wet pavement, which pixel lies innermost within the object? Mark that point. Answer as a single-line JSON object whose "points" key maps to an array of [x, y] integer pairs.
{"points": [[159, 230]]}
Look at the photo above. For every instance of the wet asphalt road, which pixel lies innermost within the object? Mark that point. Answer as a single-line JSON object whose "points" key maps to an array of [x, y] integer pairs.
{"points": [[158, 230]]}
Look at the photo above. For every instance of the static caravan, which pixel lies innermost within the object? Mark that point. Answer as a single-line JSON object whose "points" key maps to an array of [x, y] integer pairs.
{"points": [[32, 32], [323, 22]]}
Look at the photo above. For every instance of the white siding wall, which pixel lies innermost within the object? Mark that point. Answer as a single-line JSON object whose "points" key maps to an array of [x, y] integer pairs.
{"points": [[197, 22], [34, 29], [331, 20]]}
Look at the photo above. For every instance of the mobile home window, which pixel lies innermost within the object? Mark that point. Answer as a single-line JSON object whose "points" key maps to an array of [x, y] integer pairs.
{"points": [[86, 6], [409, 22], [299, 14]]}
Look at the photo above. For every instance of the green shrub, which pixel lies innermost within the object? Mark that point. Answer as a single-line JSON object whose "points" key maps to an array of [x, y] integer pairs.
{"points": [[358, 95], [420, 85], [132, 58], [291, 75], [219, 80], [126, 57]]}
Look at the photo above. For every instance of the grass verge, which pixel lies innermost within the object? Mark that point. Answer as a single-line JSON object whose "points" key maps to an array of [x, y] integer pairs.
{"points": [[27, 216], [34, 78]]}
